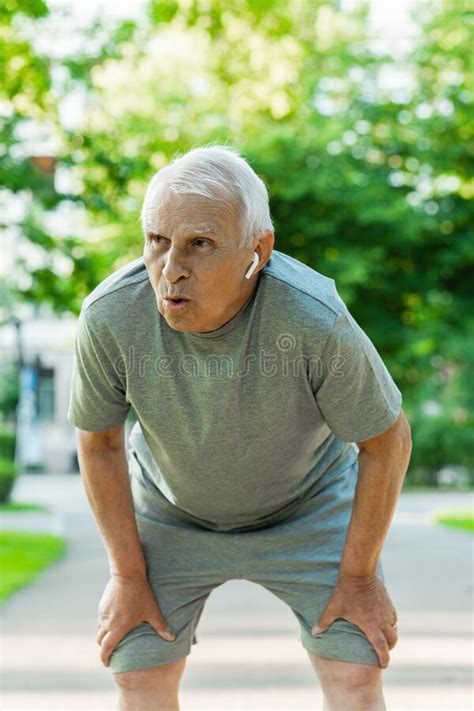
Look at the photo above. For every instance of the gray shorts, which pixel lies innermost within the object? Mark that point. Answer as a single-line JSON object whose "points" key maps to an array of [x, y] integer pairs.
{"points": [[296, 559]]}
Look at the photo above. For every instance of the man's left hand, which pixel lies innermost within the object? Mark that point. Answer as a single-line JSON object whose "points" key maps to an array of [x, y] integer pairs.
{"points": [[364, 601]]}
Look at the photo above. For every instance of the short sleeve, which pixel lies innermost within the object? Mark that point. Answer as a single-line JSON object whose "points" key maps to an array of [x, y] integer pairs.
{"points": [[98, 394], [355, 392]]}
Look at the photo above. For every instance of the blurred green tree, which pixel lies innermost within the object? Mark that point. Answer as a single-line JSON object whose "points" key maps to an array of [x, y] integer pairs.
{"points": [[369, 181], [50, 267]]}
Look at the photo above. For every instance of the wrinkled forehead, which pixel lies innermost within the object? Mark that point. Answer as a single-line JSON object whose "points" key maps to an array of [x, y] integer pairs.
{"points": [[185, 212]]}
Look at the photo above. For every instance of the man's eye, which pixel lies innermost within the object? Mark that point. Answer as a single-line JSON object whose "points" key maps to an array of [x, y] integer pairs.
{"points": [[158, 239]]}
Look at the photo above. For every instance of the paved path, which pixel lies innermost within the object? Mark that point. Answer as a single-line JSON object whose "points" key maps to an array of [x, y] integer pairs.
{"points": [[248, 656]]}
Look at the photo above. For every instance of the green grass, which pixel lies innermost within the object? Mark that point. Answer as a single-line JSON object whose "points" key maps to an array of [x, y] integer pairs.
{"points": [[457, 519], [441, 488], [15, 506], [23, 556]]}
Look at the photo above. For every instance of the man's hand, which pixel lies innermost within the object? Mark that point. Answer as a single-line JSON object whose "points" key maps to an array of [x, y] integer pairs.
{"points": [[126, 603], [364, 601]]}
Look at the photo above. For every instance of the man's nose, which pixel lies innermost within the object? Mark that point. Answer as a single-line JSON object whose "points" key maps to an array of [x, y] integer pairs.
{"points": [[175, 266]]}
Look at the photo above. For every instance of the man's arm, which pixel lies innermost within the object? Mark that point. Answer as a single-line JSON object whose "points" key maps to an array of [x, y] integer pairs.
{"points": [[104, 470], [383, 463], [359, 596], [128, 599]]}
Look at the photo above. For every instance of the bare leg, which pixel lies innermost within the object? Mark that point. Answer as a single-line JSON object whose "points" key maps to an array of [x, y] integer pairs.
{"points": [[347, 685], [154, 689]]}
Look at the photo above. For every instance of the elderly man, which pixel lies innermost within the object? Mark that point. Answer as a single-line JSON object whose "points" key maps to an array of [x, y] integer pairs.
{"points": [[270, 444]]}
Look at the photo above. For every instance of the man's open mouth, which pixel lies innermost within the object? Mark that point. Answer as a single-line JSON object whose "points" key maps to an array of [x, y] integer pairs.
{"points": [[176, 303]]}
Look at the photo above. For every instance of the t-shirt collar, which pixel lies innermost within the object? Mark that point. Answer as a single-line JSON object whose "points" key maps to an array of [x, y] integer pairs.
{"points": [[229, 325]]}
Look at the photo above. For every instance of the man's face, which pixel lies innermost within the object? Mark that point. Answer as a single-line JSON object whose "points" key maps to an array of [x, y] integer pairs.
{"points": [[191, 250]]}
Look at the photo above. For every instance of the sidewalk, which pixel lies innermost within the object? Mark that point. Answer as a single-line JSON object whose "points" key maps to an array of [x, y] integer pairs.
{"points": [[248, 656]]}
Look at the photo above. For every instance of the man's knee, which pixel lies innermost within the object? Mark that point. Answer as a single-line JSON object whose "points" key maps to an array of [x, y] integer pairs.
{"points": [[164, 678], [347, 677]]}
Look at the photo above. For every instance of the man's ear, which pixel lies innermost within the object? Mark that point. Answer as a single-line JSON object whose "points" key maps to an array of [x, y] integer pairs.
{"points": [[264, 247]]}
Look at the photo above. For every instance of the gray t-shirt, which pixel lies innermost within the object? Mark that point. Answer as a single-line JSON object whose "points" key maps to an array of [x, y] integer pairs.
{"points": [[235, 426]]}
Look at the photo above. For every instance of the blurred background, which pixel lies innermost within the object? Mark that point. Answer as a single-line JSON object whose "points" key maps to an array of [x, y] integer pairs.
{"points": [[358, 115]]}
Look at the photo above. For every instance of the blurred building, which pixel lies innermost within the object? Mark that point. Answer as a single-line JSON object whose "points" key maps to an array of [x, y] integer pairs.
{"points": [[45, 438]]}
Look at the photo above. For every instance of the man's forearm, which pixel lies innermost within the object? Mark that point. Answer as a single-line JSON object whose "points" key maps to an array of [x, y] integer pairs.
{"points": [[107, 485], [380, 479]]}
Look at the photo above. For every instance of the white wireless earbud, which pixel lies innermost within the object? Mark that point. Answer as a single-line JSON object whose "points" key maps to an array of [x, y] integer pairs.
{"points": [[253, 266]]}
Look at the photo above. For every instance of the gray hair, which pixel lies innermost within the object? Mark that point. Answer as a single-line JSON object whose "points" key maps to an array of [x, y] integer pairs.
{"points": [[219, 173]]}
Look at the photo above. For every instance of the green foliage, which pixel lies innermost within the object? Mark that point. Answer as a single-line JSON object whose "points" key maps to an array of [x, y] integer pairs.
{"points": [[28, 98], [9, 389], [7, 443], [8, 473], [369, 184], [23, 556]]}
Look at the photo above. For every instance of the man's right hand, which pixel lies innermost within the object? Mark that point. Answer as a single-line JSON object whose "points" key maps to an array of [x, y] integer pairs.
{"points": [[126, 603]]}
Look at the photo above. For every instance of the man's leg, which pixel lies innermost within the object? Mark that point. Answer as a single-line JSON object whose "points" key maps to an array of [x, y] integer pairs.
{"points": [[154, 689], [347, 685]]}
